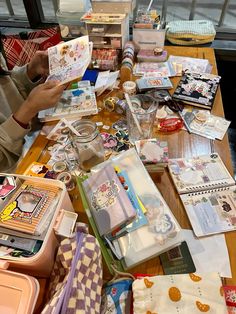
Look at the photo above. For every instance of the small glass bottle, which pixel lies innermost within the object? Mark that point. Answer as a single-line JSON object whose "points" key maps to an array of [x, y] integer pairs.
{"points": [[89, 144]]}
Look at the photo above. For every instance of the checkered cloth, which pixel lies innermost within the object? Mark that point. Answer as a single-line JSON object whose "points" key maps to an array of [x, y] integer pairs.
{"points": [[76, 279], [19, 51]]}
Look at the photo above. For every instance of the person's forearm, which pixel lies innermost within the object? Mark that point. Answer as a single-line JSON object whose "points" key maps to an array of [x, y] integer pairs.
{"points": [[25, 113]]}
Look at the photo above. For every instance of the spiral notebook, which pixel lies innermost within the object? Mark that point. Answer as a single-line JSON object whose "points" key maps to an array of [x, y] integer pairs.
{"points": [[208, 193]]}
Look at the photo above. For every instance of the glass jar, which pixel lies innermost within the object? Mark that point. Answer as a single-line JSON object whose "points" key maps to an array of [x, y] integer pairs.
{"points": [[89, 144]]}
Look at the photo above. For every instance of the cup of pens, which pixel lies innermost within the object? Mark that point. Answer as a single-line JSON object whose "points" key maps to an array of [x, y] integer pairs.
{"points": [[141, 113]]}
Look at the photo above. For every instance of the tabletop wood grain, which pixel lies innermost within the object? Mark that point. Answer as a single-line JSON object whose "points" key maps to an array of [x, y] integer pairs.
{"points": [[180, 143]]}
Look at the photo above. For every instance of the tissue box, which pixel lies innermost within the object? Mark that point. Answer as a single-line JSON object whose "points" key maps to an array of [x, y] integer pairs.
{"points": [[70, 24], [148, 38]]}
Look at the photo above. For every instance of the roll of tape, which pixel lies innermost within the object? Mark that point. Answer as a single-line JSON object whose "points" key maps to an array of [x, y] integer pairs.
{"points": [[110, 103], [59, 166], [127, 60], [157, 51], [67, 179], [129, 87], [120, 106]]}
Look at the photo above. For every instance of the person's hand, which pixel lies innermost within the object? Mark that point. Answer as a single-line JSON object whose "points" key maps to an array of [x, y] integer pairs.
{"points": [[43, 96], [38, 65]]}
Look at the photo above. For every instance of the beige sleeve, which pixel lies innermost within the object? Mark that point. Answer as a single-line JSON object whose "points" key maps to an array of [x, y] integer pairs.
{"points": [[11, 143], [22, 81]]}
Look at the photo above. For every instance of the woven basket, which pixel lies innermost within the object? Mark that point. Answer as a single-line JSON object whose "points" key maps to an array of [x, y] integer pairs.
{"points": [[190, 32]]}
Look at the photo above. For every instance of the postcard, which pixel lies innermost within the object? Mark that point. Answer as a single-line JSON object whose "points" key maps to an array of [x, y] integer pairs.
{"points": [[69, 60]]}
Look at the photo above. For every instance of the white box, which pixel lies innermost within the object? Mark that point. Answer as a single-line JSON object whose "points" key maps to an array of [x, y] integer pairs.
{"points": [[148, 38], [125, 7], [107, 30]]}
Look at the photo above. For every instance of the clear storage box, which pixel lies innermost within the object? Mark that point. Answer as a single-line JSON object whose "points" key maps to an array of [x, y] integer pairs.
{"points": [[70, 24], [113, 6]]}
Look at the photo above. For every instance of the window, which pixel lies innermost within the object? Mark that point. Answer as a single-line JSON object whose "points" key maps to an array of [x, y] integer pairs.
{"points": [[27, 12], [38, 12]]}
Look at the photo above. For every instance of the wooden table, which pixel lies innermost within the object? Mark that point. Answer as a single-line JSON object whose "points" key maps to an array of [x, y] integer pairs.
{"points": [[181, 144]]}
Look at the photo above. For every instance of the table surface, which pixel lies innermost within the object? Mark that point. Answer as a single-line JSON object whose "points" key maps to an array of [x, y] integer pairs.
{"points": [[180, 143]]}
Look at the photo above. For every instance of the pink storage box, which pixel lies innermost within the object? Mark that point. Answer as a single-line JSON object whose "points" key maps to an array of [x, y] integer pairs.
{"points": [[63, 220], [18, 293]]}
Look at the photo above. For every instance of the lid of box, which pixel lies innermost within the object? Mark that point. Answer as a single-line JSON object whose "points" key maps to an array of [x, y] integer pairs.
{"points": [[18, 293]]}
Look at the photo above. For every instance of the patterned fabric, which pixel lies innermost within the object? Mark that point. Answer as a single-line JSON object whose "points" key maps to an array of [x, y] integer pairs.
{"points": [[175, 294], [76, 280], [19, 51], [190, 32], [117, 297]]}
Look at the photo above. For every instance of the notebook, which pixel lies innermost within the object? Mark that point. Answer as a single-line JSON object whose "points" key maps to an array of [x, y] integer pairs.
{"points": [[197, 89], [208, 193], [109, 203], [30, 207]]}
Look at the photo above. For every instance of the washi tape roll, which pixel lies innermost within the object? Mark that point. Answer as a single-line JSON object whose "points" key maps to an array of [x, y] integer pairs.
{"points": [[110, 103], [128, 53], [129, 87], [157, 51], [127, 60], [120, 106], [59, 166], [67, 179]]}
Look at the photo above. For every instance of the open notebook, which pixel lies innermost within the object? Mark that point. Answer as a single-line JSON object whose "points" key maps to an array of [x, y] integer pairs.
{"points": [[30, 207], [208, 193]]}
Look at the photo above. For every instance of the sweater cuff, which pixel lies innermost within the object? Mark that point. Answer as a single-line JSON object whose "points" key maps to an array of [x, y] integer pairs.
{"points": [[14, 130], [20, 74], [23, 125]]}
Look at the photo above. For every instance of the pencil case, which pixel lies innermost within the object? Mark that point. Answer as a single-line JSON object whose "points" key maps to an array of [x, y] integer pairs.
{"points": [[190, 32]]}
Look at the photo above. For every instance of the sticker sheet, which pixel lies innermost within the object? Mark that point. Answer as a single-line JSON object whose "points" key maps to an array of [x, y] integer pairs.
{"points": [[203, 123]]}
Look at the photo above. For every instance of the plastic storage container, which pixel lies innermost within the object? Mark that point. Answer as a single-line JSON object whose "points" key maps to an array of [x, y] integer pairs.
{"points": [[42, 262], [148, 38], [18, 293], [70, 24], [113, 6]]}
